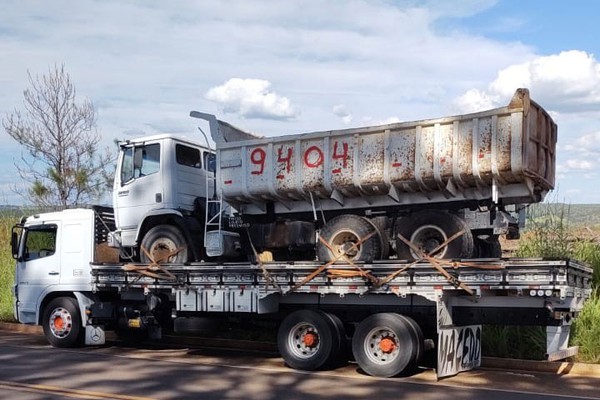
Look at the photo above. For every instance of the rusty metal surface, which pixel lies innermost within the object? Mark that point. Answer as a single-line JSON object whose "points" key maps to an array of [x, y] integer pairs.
{"points": [[452, 158]]}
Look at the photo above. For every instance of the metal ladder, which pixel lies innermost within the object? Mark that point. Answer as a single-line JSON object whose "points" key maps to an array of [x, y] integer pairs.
{"points": [[214, 206]]}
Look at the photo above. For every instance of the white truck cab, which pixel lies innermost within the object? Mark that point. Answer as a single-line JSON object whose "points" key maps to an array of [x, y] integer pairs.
{"points": [[159, 196], [53, 283], [54, 251]]}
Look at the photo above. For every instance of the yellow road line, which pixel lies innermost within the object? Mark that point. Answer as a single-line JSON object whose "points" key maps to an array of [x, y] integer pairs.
{"points": [[72, 393]]}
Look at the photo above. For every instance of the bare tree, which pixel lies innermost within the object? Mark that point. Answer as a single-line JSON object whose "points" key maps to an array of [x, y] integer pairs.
{"points": [[64, 167]]}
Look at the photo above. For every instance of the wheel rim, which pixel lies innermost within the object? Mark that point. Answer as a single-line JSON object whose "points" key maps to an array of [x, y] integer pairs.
{"points": [[304, 341], [61, 322], [381, 346], [344, 242], [162, 248], [427, 238]]}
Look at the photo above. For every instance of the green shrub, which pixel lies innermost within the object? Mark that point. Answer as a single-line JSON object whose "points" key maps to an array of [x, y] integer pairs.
{"points": [[7, 268], [549, 235], [586, 330]]}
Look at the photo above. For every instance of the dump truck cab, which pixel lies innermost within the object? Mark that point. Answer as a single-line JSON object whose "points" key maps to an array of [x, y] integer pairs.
{"points": [[160, 187]]}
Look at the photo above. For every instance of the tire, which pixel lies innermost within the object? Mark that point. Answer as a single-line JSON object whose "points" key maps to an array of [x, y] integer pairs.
{"points": [[61, 322], [488, 248], [380, 224], [343, 231], [339, 356], [162, 240], [430, 228], [418, 340], [307, 340], [383, 345]]}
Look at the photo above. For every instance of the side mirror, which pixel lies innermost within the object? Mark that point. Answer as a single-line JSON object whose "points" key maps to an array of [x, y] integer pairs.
{"points": [[14, 244], [211, 164], [138, 157]]}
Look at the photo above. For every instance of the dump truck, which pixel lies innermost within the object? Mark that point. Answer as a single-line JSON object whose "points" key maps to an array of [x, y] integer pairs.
{"points": [[423, 182], [377, 243]]}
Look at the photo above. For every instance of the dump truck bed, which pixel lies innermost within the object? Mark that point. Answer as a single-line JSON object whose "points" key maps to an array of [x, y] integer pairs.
{"points": [[506, 154]]}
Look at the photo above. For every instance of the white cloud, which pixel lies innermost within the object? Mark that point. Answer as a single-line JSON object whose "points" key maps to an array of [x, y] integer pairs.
{"points": [[341, 111], [579, 164], [566, 82], [589, 141], [576, 165], [475, 100], [251, 98], [389, 120]]}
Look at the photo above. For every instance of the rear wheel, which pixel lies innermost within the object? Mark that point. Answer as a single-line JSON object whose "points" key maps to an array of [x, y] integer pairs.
{"points": [[343, 233], [339, 355], [380, 224], [418, 340], [429, 229], [61, 322], [384, 345], [164, 244], [308, 340], [488, 248]]}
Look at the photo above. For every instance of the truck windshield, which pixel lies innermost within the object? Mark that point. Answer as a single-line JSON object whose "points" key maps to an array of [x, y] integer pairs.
{"points": [[140, 161], [39, 242]]}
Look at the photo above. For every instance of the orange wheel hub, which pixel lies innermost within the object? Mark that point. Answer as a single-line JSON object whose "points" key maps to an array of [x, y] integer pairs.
{"points": [[310, 339], [387, 345], [59, 323]]}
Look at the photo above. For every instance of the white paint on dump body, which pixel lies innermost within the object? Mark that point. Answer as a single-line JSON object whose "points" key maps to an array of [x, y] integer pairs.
{"points": [[439, 160]]}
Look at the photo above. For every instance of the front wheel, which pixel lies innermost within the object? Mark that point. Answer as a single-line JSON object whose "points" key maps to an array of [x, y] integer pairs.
{"points": [[62, 323], [164, 244], [345, 235]]}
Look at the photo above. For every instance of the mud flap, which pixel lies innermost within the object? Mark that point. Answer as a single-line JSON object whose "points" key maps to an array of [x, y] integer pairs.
{"points": [[459, 349], [94, 335]]}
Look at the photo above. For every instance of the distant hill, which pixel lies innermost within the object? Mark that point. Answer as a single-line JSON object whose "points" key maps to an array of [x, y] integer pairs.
{"points": [[575, 215]]}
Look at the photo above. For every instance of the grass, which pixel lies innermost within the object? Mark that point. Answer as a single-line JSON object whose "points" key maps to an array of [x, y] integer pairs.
{"points": [[520, 342], [549, 234], [586, 330], [7, 267], [8, 217]]}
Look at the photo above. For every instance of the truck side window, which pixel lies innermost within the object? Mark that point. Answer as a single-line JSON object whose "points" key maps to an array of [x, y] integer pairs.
{"points": [[40, 242], [188, 156], [150, 163], [140, 161]]}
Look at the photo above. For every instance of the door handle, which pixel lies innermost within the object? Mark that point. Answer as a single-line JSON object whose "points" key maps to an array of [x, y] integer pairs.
{"points": [[53, 273], [123, 192]]}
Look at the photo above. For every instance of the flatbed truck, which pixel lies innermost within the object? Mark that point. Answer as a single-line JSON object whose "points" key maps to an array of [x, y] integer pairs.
{"points": [[385, 313]]}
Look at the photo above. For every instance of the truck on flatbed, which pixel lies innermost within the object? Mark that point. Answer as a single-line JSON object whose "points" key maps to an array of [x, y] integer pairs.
{"points": [[335, 288], [420, 181]]}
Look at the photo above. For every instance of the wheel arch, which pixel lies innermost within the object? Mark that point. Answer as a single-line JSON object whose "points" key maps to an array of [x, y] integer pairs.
{"points": [[83, 299], [186, 224]]}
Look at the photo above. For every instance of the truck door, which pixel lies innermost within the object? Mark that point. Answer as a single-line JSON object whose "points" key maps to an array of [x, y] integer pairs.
{"points": [[138, 185], [38, 269]]}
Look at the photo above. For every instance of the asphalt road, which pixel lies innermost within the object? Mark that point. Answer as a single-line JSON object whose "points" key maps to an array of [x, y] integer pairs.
{"points": [[31, 369]]}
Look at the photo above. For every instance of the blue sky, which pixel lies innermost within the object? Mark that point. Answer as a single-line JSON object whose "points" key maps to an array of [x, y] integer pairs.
{"points": [[281, 67]]}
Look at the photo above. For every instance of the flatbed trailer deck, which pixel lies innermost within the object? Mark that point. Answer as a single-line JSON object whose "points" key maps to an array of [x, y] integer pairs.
{"points": [[450, 299], [485, 277]]}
